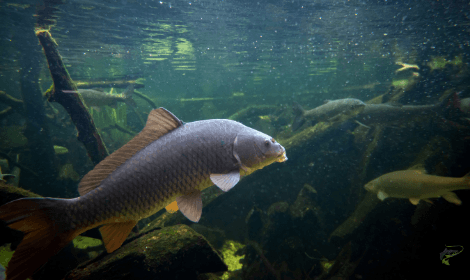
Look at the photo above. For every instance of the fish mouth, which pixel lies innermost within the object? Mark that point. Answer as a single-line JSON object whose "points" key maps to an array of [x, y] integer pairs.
{"points": [[282, 156]]}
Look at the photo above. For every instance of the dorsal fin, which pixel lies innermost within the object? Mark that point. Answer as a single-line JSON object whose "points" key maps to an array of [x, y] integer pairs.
{"points": [[160, 121]]}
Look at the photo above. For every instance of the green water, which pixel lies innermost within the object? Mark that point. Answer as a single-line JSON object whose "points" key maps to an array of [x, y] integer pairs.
{"points": [[250, 61]]}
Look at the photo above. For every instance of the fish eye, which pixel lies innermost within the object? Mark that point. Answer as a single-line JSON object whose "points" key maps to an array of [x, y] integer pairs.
{"points": [[266, 143]]}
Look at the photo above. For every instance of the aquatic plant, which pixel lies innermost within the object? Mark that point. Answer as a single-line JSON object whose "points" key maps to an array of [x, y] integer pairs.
{"points": [[5, 255], [440, 62], [231, 258]]}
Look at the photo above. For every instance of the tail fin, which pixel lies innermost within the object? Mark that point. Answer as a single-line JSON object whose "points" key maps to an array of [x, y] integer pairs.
{"points": [[128, 96], [46, 231], [299, 119]]}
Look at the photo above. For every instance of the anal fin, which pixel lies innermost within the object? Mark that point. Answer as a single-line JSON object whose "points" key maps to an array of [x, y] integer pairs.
{"points": [[114, 234], [191, 205]]}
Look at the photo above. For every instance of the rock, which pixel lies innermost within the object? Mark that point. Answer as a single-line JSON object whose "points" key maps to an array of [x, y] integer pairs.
{"points": [[216, 237], [176, 252]]}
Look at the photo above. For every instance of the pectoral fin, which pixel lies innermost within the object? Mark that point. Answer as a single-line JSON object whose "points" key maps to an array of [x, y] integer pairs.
{"points": [[414, 201], [191, 205], [226, 181], [381, 195]]}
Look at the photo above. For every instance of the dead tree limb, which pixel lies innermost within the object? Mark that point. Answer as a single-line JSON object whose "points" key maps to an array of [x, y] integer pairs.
{"points": [[72, 102]]}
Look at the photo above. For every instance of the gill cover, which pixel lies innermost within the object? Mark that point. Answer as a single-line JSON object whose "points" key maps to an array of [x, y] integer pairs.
{"points": [[252, 149]]}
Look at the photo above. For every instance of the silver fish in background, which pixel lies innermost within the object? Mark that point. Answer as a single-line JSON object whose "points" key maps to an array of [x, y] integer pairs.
{"points": [[96, 98], [377, 114], [415, 186], [167, 161], [332, 110]]}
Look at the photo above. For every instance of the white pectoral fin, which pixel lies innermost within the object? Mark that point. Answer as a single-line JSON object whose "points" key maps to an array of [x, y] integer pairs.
{"points": [[381, 195], [191, 205], [226, 181]]}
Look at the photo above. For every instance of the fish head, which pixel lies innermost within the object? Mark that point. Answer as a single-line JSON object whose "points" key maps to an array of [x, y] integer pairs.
{"points": [[254, 150], [372, 185], [355, 106]]}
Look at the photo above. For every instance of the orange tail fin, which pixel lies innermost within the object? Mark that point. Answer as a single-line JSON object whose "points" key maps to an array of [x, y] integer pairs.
{"points": [[46, 232]]}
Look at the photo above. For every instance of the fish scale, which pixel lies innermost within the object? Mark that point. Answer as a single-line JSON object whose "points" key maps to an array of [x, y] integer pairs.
{"points": [[144, 191]]}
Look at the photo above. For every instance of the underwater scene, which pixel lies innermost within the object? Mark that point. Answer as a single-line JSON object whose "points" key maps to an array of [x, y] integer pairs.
{"points": [[234, 139]]}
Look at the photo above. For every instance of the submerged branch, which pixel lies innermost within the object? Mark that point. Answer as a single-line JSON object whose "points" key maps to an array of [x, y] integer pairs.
{"points": [[108, 84], [146, 98], [4, 113], [14, 103], [73, 103]]}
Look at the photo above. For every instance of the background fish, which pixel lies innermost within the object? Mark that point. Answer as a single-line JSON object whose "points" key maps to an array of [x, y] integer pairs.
{"points": [[374, 114], [332, 109], [166, 161], [96, 98], [415, 185]]}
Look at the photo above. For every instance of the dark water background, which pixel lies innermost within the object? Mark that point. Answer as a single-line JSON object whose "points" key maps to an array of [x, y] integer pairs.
{"points": [[211, 59]]}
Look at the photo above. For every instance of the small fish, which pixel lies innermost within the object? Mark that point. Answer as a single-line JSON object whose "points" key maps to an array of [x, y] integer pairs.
{"points": [[330, 111], [415, 185], [96, 98], [370, 86], [167, 161]]}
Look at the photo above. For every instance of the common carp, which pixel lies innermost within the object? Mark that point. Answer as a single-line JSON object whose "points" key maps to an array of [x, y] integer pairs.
{"points": [[415, 186], [167, 161]]}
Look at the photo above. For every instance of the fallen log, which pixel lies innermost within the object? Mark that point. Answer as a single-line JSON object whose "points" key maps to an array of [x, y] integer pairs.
{"points": [[72, 102]]}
